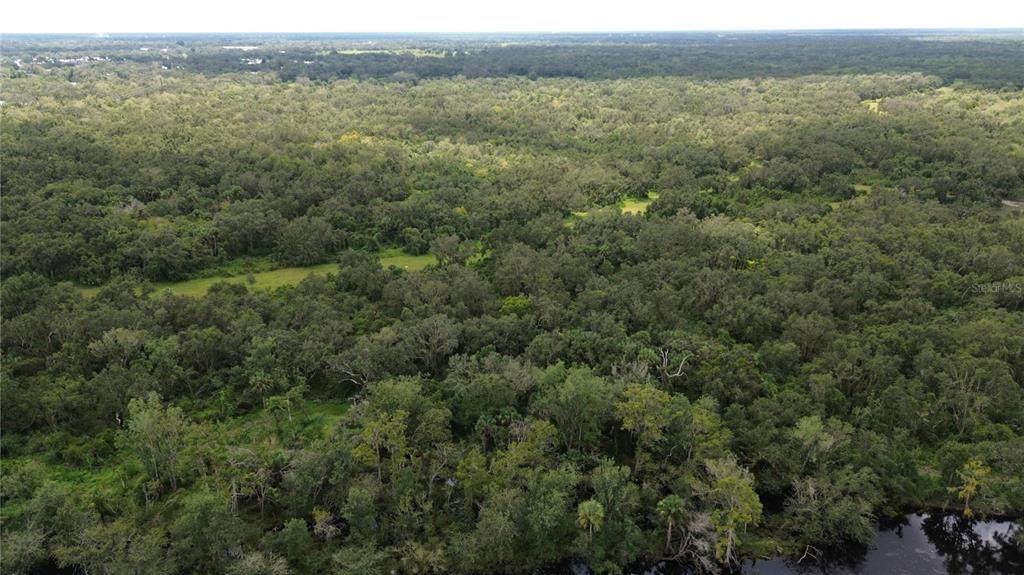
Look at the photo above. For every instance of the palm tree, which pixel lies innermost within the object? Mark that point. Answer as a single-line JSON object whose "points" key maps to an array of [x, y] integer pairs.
{"points": [[590, 516], [671, 509]]}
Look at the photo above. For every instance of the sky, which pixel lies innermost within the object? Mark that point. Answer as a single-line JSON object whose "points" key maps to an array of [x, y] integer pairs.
{"points": [[113, 16]]}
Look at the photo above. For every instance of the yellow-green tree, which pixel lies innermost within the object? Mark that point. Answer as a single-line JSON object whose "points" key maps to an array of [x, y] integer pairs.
{"points": [[972, 477], [590, 517]]}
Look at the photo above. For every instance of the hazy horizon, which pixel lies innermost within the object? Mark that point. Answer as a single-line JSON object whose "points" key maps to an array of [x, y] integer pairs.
{"points": [[256, 32], [525, 17]]}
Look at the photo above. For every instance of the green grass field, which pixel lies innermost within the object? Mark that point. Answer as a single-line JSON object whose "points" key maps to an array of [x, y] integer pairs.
{"points": [[273, 279]]}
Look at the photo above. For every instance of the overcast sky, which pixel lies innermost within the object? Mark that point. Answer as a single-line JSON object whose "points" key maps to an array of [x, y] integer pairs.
{"points": [[109, 16]]}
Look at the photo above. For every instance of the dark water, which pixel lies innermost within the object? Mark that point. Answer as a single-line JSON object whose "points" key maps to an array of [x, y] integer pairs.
{"points": [[917, 545], [920, 545]]}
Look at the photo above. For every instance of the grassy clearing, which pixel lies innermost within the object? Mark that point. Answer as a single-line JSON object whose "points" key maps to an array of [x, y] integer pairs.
{"points": [[325, 415], [635, 206], [573, 218], [871, 105], [93, 483], [399, 259], [316, 418], [862, 192], [570, 220], [268, 280], [273, 279]]}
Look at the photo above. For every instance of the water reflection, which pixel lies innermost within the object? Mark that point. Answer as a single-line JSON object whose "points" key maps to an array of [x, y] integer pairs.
{"points": [[981, 547], [920, 545]]}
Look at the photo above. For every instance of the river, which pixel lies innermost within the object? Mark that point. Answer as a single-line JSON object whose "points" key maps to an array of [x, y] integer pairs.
{"points": [[920, 545]]}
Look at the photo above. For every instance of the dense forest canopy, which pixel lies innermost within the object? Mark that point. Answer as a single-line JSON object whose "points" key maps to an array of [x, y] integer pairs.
{"points": [[693, 297]]}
